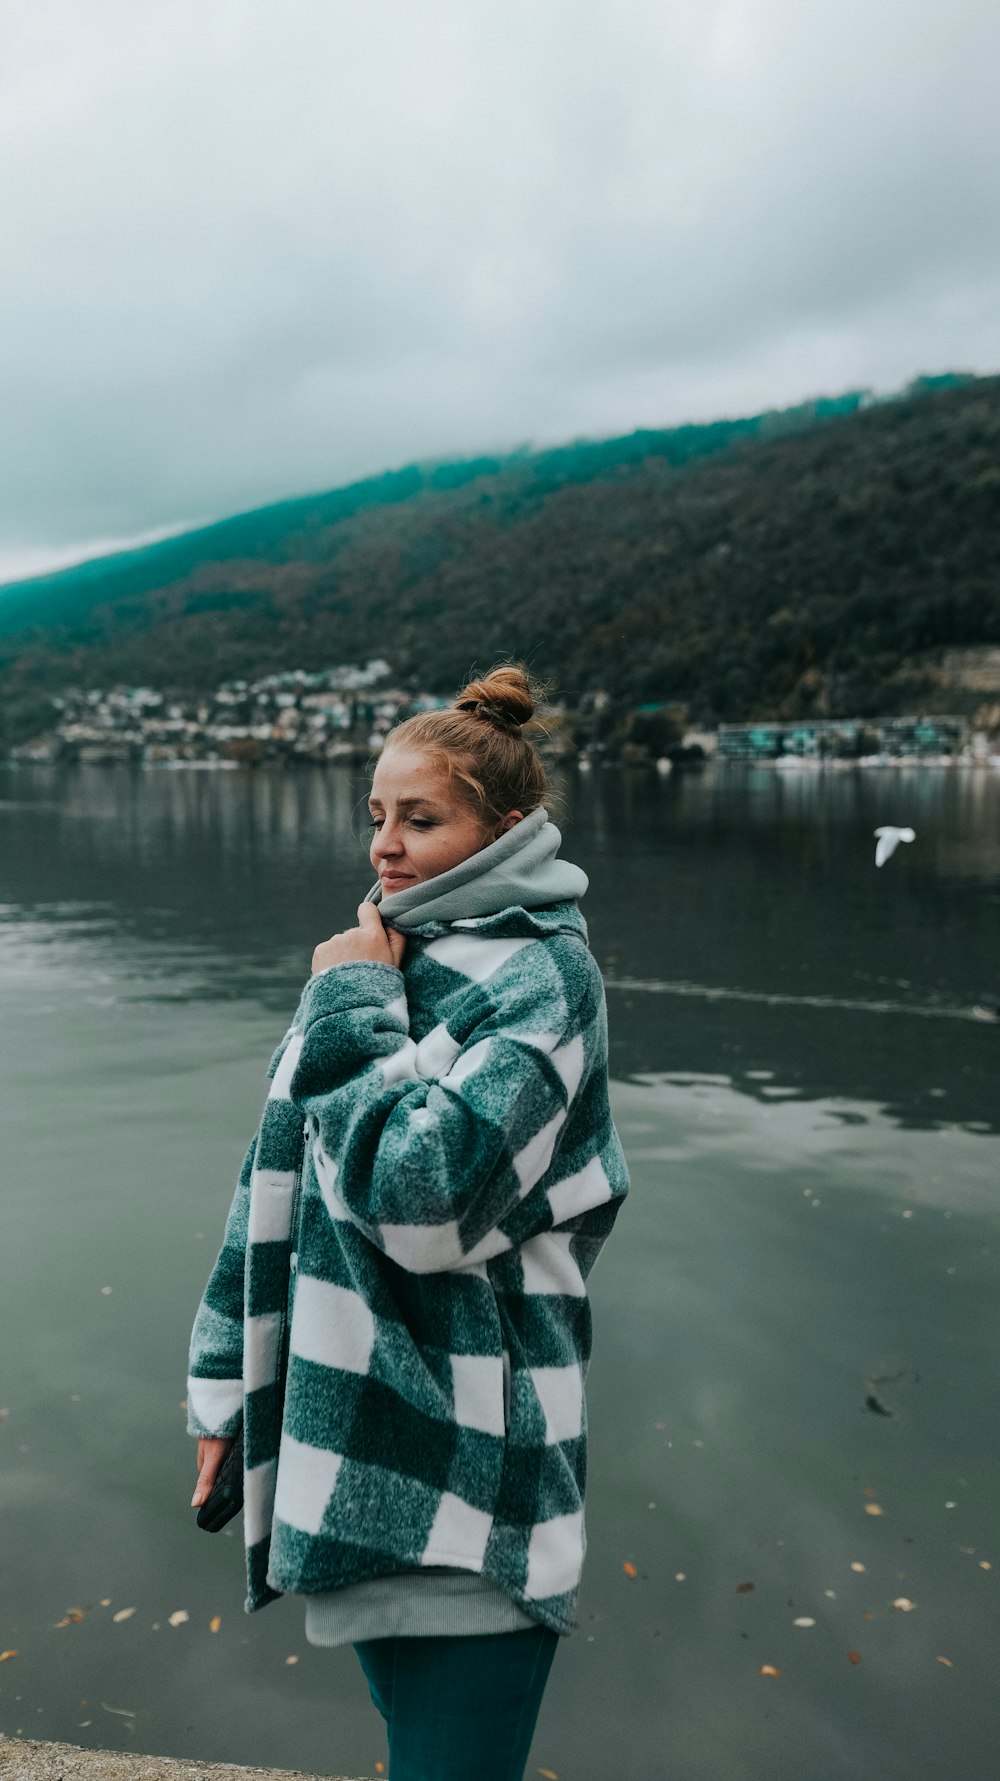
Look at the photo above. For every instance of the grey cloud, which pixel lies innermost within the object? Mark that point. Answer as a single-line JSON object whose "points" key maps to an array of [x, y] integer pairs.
{"points": [[254, 249]]}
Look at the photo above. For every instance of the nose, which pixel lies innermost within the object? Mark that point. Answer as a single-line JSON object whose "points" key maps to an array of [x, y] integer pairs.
{"points": [[386, 841]]}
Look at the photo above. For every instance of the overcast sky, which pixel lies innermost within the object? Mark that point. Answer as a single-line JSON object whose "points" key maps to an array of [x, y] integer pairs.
{"points": [[253, 248]]}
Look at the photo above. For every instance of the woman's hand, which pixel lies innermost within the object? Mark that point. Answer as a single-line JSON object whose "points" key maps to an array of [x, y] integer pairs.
{"points": [[370, 940], [211, 1453]]}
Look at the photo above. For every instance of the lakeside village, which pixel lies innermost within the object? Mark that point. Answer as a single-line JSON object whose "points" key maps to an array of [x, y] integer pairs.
{"points": [[342, 714]]}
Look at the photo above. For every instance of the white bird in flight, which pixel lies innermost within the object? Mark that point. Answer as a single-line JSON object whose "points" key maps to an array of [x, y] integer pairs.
{"points": [[888, 841]]}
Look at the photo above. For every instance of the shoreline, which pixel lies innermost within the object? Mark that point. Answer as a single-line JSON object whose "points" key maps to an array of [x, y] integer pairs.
{"points": [[583, 763], [24, 1759]]}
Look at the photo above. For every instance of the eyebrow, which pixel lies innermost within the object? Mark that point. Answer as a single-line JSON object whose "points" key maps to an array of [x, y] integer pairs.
{"points": [[405, 803]]}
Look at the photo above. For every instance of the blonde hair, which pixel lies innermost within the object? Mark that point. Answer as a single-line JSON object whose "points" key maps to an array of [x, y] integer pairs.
{"points": [[479, 740]]}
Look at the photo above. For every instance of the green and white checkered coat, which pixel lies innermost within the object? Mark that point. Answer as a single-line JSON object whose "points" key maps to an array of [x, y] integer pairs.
{"points": [[460, 1175]]}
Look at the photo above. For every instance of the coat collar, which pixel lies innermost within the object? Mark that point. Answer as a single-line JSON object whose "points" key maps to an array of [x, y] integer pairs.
{"points": [[517, 871]]}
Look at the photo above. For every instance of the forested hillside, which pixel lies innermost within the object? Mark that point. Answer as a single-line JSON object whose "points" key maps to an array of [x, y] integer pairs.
{"points": [[785, 564]]}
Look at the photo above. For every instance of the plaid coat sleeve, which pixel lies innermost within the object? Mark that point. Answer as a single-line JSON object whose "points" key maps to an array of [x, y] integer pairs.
{"points": [[215, 1362], [428, 1147]]}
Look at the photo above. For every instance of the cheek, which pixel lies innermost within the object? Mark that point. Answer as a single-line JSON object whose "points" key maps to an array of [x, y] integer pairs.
{"points": [[457, 846]]}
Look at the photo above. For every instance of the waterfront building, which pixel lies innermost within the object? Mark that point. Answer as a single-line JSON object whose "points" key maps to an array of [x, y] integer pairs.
{"points": [[841, 738], [922, 735]]}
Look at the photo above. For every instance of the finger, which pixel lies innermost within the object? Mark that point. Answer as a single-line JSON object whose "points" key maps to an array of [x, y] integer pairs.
{"points": [[368, 916], [397, 944], [203, 1488], [206, 1479]]}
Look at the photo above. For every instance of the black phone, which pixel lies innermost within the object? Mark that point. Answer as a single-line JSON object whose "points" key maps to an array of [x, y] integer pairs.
{"points": [[226, 1499]]}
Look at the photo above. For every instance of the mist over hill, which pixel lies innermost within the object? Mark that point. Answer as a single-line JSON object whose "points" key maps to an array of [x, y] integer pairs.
{"points": [[825, 558]]}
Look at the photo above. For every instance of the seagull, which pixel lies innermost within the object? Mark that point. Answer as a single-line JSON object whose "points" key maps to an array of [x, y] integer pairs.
{"points": [[888, 841]]}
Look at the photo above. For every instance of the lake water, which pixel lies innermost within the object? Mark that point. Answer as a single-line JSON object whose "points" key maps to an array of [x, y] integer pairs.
{"points": [[795, 1319]]}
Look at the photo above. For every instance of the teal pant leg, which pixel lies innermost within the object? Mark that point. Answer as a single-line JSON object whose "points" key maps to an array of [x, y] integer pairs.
{"points": [[459, 1706]]}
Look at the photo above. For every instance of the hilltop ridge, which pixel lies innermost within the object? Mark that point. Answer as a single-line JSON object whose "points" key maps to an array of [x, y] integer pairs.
{"points": [[785, 564]]}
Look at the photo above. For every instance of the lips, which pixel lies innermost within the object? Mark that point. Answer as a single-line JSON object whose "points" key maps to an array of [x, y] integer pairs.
{"points": [[392, 880]]}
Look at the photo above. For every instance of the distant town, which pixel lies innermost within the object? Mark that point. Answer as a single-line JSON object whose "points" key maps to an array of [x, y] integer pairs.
{"points": [[343, 714]]}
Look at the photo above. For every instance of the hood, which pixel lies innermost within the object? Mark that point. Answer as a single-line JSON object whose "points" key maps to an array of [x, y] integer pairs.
{"points": [[515, 885]]}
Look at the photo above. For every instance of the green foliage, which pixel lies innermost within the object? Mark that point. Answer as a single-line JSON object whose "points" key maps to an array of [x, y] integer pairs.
{"points": [[783, 565], [24, 714]]}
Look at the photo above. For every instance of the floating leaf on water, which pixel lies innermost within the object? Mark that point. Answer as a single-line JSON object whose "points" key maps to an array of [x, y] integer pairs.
{"points": [[680, 1576], [123, 1614], [856, 1565], [803, 1620], [105, 1290], [984, 1564], [550, 1774], [769, 1670], [123, 1712], [5, 1654], [904, 1603], [872, 1509], [291, 1660], [215, 1623], [854, 1657], [743, 1588], [629, 1568], [178, 1617], [105, 1601], [71, 1617]]}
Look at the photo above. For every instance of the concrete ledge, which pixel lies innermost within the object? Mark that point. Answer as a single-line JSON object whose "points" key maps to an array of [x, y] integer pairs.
{"points": [[23, 1760]]}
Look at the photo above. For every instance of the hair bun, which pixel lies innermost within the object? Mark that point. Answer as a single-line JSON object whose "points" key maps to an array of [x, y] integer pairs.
{"points": [[494, 713], [503, 697]]}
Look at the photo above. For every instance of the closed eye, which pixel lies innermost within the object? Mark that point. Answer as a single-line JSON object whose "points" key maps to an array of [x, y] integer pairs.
{"points": [[418, 822]]}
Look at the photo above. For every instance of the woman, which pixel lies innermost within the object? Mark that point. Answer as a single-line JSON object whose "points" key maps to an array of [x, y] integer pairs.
{"points": [[416, 1467]]}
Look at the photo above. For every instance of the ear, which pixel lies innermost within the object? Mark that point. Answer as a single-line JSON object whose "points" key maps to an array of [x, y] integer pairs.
{"points": [[512, 817]]}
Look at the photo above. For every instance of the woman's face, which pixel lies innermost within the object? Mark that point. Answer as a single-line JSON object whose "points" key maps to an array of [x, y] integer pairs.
{"points": [[420, 827]]}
